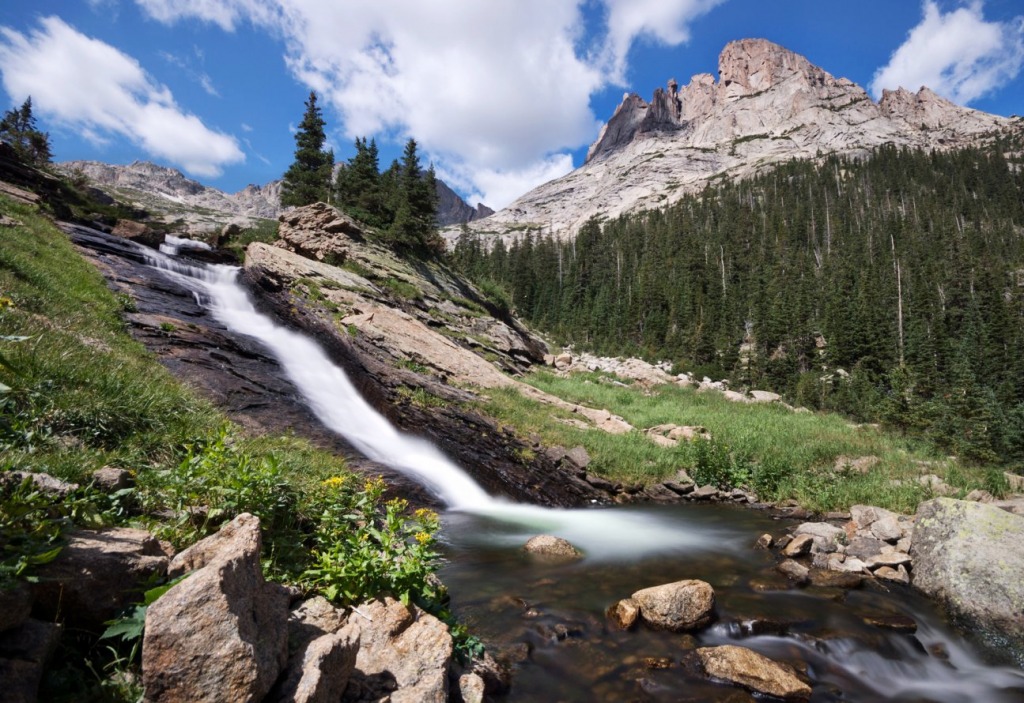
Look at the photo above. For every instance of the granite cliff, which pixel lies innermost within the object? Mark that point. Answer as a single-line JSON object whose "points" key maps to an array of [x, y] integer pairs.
{"points": [[767, 105]]}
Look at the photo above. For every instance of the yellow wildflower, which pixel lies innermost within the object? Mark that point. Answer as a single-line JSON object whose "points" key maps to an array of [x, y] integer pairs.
{"points": [[334, 482], [5, 303], [425, 515], [422, 537]]}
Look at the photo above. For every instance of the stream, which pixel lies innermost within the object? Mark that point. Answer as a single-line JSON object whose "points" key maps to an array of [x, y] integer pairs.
{"points": [[854, 645]]}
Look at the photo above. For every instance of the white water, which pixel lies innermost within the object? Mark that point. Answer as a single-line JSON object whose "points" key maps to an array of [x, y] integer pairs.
{"points": [[337, 404]]}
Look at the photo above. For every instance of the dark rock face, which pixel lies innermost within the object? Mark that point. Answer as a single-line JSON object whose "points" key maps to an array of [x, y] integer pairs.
{"points": [[243, 379], [492, 455], [453, 210], [235, 372]]}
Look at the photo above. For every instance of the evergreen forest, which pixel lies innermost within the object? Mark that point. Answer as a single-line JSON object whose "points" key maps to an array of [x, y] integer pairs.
{"points": [[888, 288]]}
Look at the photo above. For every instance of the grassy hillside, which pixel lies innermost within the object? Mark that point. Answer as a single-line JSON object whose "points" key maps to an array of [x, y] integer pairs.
{"points": [[77, 393], [778, 453]]}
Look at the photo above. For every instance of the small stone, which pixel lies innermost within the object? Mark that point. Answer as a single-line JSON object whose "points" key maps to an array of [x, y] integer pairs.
{"points": [[657, 663], [899, 574], [753, 671], [887, 529], [835, 579], [110, 479], [549, 547], [624, 613], [798, 573], [800, 545], [892, 559], [896, 623], [765, 541]]}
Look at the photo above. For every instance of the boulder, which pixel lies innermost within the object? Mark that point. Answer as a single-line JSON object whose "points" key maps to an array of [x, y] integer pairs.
{"points": [[753, 671], [579, 457], [826, 537], [794, 571], [404, 653], [24, 654], [221, 633], [318, 231], [764, 397], [96, 575], [765, 541], [968, 555], [624, 613], [678, 607], [44, 483], [320, 671], [138, 232], [864, 515], [551, 548]]}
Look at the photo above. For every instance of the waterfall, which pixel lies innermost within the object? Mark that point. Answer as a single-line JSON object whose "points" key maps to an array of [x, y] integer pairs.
{"points": [[339, 406]]}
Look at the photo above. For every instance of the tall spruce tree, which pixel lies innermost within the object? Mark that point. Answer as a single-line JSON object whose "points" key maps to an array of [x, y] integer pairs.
{"points": [[308, 179], [415, 204], [18, 128], [358, 188]]}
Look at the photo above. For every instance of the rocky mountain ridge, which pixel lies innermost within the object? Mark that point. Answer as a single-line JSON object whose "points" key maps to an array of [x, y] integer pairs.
{"points": [[768, 105], [173, 197]]}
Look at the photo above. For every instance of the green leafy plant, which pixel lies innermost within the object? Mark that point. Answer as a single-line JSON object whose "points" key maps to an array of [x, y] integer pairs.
{"points": [[31, 528]]}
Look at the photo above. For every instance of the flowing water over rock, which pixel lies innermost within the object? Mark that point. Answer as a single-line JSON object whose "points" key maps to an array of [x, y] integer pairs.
{"points": [[854, 645]]}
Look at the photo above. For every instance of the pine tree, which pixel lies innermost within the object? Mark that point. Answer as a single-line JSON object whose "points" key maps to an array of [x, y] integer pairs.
{"points": [[308, 179], [358, 189], [18, 128], [415, 204]]}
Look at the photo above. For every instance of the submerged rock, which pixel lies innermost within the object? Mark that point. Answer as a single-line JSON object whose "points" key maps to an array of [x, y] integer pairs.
{"points": [[753, 671], [624, 613], [549, 547]]}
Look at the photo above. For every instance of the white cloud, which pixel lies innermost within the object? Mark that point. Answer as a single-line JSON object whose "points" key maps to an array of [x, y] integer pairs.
{"points": [[195, 74], [957, 54], [494, 91], [664, 21], [91, 87]]}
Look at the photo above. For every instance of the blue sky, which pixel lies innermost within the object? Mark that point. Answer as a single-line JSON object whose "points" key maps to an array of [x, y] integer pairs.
{"points": [[501, 94]]}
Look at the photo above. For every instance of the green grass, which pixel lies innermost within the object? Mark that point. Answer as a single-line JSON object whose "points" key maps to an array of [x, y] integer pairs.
{"points": [[265, 231], [779, 453]]}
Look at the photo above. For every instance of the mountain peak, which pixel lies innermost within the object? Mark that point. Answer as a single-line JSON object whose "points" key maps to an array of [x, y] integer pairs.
{"points": [[767, 104]]}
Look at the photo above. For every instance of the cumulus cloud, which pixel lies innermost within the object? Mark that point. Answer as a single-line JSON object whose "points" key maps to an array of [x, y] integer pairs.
{"points": [[664, 22], [957, 54], [495, 92], [89, 86]]}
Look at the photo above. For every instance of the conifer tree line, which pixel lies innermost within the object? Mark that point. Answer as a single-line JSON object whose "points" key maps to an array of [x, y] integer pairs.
{"points": [[400, 202], [889, 288]]}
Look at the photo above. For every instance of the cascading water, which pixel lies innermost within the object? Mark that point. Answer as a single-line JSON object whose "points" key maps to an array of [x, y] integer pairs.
{"points": [[338, 405], [848, 660]]}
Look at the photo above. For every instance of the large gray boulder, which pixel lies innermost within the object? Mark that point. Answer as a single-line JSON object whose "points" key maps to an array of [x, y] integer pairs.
{"points": [[404, 654], [678, 607], [221, 633], [969, 556], [323, 647]]}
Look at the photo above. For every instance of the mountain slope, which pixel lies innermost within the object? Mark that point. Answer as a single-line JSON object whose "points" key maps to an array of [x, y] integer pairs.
{"points": [[769, 105], [171, 196]]}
